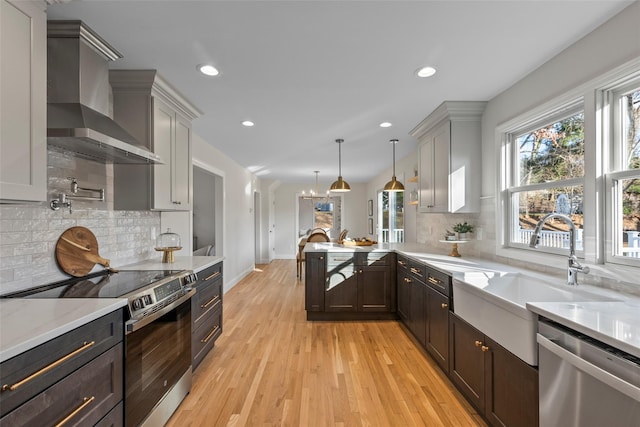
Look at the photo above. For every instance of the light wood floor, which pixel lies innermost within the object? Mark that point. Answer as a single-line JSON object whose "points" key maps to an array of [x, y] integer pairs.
{"points": [[271, 367]]}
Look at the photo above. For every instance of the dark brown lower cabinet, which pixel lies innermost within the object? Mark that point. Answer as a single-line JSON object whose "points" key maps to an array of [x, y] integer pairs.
{"points": [[403, 286], [78, 377], [437, 327], [417, 322], [500, 385], [314, 281], [206, 312], [350, 285]]}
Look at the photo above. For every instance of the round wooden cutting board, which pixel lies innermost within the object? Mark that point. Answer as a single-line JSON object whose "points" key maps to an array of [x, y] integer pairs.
{"points": [[77, 251]]}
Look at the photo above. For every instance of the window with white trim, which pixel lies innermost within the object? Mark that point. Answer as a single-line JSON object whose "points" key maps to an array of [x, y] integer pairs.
{"points": [[623, 179], [546, 174]]}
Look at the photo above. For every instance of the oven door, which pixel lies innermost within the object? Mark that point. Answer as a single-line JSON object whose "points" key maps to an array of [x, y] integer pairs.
{"points": [[157, 357]]}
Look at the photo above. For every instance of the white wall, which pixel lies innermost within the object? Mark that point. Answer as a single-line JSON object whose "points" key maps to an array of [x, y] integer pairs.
{"points": [[354, 214]]}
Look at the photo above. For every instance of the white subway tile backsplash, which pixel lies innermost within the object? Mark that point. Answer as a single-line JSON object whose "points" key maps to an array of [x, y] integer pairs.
{"points": [[27, 245], [28, 233]]}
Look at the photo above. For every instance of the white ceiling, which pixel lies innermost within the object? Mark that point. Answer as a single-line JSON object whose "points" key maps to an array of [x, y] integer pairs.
{"points": [[308, 72]]}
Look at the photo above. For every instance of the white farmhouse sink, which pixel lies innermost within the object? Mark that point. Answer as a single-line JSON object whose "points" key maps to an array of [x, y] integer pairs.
{"points": [[494, 303]]}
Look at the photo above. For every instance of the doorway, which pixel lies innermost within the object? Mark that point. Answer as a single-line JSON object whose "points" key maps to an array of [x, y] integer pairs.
{"points": [[207, 211], [319, 212]]}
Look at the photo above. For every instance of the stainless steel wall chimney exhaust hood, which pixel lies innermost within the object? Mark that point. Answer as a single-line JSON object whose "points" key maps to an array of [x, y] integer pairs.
{"points": [[78, 93]]}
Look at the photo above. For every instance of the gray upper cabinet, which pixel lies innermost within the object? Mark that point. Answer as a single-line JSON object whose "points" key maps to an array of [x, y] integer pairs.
{"points": [[449, 158], [23, 90], [160, 119]]}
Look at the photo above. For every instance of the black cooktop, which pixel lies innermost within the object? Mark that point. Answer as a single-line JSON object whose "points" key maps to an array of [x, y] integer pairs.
{"points": [[102, 284]]}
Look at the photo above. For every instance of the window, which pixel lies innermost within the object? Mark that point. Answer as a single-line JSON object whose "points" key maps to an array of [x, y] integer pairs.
{"points": [[547, 173], [319, 212], [624, 176], [391, 216]]}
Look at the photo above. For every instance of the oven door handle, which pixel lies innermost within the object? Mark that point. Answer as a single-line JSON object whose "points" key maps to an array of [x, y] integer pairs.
{"points": [[590, 369], [134, 325]]}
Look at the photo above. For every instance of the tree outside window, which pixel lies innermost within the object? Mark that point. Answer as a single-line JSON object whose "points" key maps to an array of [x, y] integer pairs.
{"points": [[548, 171]]}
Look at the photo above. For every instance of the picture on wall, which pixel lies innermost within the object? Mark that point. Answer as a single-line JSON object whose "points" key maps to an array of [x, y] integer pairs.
{"points": [[370, 207]]}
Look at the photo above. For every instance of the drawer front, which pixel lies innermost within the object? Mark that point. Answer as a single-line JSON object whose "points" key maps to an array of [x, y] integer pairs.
{"points": [[334, 259], [35, 370], [210, 273], [402, 263], [208, 296], [85, 396], [418, 271], [374, 258], [439, 281], [204, 337]]}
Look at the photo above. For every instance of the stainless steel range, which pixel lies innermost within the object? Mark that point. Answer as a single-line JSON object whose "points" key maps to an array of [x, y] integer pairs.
{"points": [[157, 335]]}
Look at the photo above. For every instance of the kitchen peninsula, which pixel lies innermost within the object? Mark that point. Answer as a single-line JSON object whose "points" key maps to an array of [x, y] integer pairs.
{"points": [[458, 311]]}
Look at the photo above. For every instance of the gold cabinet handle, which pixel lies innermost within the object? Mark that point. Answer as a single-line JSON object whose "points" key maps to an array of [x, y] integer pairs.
{"points": [[211, 301], [444, 305], [208, 337], [85, 346], [85, 402], [416, 271], [484, 348], [434, 281], [217, 273], [402, 263], [478, 343], [321, 258]]}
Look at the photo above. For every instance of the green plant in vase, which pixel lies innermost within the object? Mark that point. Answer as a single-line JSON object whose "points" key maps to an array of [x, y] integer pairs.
{"points": [[462, 228]]}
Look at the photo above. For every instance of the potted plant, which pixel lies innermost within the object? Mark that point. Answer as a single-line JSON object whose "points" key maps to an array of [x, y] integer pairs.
{"points": [[462, 228]]}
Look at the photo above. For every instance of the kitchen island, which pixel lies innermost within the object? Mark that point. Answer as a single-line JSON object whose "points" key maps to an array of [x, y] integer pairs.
{"points": [[349, 282]]}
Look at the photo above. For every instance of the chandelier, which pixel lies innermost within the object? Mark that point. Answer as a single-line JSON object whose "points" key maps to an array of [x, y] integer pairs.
{"points": [[314, 195]]}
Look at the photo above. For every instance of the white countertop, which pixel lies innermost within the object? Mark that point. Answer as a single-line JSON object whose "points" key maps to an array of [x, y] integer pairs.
{"points": [[614, 323], [190, 263], [27, 323]]}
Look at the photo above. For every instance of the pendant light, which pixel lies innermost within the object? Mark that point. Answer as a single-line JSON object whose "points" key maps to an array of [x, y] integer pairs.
{"points": [[394, 185], [340, 186]]}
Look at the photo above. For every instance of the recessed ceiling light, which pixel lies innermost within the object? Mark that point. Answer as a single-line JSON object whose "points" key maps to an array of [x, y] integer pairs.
{"points": [[208, 70], [425, 72], [247, 123], [385, 124]]}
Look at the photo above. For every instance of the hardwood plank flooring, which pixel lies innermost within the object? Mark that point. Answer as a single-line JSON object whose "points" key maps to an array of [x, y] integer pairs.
{"points": [[272, 367]]}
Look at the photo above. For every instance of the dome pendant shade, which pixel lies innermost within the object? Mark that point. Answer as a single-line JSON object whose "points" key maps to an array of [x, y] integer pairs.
{"points": [[394, 185], [340, 186]]}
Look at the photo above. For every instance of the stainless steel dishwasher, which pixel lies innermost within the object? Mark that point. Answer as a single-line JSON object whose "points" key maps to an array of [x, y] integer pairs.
{"points": [[584, 382]]}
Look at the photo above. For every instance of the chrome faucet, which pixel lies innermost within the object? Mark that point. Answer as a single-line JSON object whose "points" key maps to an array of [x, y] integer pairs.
{"points": [[573, 266]]}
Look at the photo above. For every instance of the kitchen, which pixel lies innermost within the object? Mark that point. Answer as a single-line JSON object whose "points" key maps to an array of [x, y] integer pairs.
{"points": [[28, 262]]}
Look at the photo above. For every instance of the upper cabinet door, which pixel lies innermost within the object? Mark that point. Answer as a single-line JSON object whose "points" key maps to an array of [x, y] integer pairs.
{"points": [[181, 185], [450, 158], [23, 101], [434, 170], [164, 125], [138, 95]]}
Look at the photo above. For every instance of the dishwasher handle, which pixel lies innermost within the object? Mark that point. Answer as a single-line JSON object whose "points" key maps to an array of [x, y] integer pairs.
{"points": [[590, 369]]}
